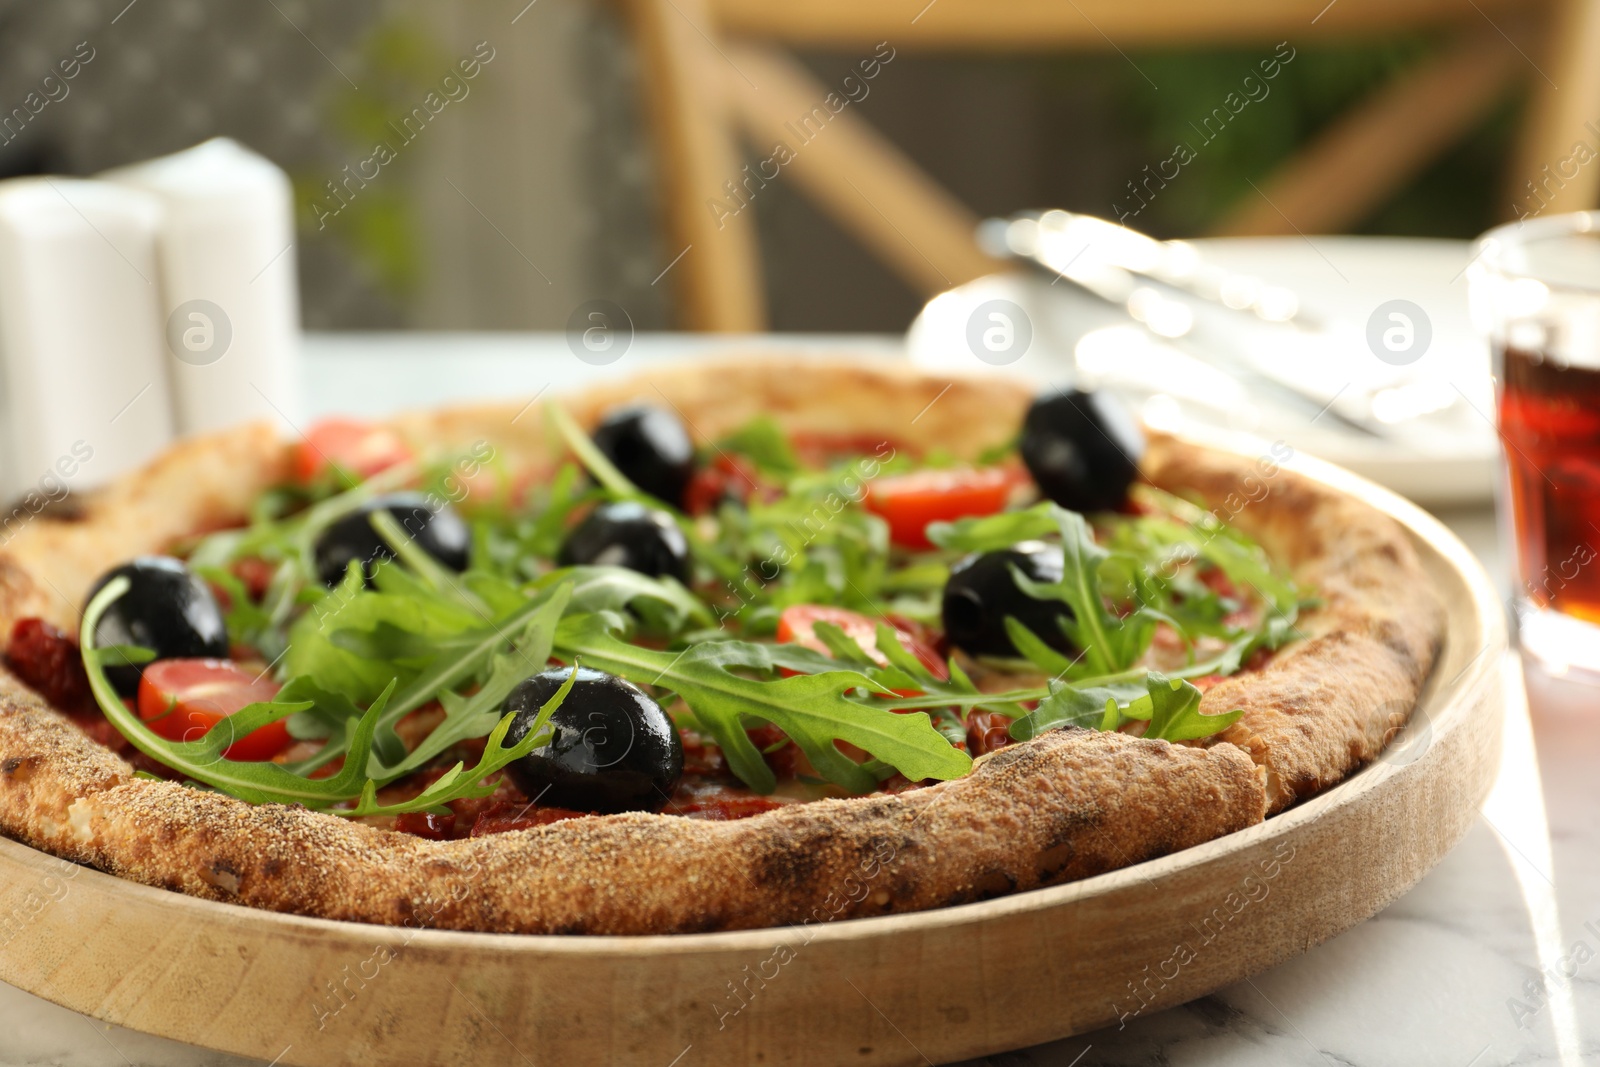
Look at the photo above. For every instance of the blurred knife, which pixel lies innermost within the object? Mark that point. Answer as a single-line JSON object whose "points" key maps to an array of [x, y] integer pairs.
{"points": [[1114, 264]]}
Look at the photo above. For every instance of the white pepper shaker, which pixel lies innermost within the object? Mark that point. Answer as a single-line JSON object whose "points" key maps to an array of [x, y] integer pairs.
{"points": [[230, 302], [85, 387]]}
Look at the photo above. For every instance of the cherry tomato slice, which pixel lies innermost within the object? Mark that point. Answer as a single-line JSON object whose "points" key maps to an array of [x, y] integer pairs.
{"points": [[910, 501], [358, 448], [182, 699], [797, 624]]}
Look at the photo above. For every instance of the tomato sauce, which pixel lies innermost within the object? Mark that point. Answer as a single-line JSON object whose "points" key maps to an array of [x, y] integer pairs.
{"points": [[46, 659]]}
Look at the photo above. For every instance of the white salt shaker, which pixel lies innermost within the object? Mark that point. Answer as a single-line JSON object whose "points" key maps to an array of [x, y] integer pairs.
{"points": [[83, 365], [229, 297]]}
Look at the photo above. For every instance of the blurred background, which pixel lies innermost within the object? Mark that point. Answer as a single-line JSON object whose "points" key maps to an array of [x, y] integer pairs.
{"points": [[539, 189]]}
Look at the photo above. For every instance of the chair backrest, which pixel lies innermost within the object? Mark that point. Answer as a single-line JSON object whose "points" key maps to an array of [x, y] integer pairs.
{"points": [[714, 64]]}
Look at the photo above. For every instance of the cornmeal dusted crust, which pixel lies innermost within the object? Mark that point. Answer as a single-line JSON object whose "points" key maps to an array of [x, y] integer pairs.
{"points": [[1064, 806], [1326, 704]]}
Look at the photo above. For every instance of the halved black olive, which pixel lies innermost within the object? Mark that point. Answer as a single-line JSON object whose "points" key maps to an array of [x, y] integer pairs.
{"points": [[440, 533], [981, 592], [613, 749], [628, 534], [651, 447], [167, 609], [1082, 449]]}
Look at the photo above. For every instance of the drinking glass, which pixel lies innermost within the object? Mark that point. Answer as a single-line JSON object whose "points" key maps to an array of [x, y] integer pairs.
{"points": [[1534, 288]]}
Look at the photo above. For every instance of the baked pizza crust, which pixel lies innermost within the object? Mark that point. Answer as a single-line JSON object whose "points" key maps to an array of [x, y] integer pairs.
{"points": [[1064, 806]]}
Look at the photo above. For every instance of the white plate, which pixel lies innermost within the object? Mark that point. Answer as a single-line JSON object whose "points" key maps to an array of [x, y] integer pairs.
{"points": [[1447, 458]]}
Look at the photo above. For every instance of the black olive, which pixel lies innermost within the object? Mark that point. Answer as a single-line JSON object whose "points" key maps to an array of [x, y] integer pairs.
{"points": [[613, 748], [440, 533], [650, 446], [166, 609], [628, 534], [1082, 449], [981, 592]]}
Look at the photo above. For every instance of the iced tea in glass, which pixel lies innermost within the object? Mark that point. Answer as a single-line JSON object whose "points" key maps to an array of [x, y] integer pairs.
{"points": [[1535, 292]]}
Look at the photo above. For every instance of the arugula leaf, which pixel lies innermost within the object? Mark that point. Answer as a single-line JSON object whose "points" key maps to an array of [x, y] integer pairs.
{"points": [[841, 645], [248, 623], [469, 717], [464, 655], [1036, 651], [427, 569], [459, 783], [595, 461], [997, 452], [994, 532], [1174, 711], [1093, 628], [565, 494], [1147, 575], [202, 760], [1171, 706], [329, 715], [289, 544], [662, 603], [125, 655], [763, 442], [1207, 537], [265, 782], [1067, 706], [312, 650], [812, 709]]}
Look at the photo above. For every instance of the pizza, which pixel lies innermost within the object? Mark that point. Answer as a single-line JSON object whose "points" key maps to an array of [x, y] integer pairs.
{"points": [[740, 644]]}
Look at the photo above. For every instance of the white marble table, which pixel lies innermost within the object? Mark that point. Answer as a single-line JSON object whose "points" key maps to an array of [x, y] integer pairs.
{"points": [[1487, 962]]}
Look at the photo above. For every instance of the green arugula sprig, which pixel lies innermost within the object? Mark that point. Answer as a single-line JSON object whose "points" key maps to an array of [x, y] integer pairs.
{"points": [[763, 442], [814, 709], [1118, 592], [287, 543], [1143, 573], [419, 635], [1171, 706], [203, 760]]}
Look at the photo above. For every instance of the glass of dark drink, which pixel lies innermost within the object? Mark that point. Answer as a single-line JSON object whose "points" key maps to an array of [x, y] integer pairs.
{"points": [[1534, 288]]}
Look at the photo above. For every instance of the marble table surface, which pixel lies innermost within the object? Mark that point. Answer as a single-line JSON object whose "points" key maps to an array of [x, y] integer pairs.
{"points": [[1490, 960]]}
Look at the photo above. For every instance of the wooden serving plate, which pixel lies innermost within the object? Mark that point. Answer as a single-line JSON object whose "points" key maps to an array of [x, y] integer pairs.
{"points": [[932, 986]]}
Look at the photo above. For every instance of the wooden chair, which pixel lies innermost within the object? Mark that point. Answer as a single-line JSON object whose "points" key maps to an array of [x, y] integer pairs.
{"points": [[713, 65]]}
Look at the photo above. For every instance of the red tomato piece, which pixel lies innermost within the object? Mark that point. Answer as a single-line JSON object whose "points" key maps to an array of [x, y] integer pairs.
{"points": [[706, 490], [723, 478], [798, 624], [47, 660], [358, 448], [504, 816], [724, 806], [778, 752], [986, 732], [910, 501], [1217, 580], [182, 699], [426, 825], [256, 574]]}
